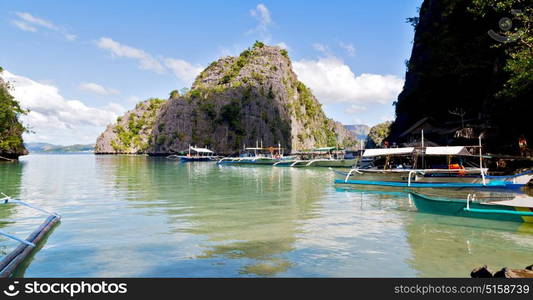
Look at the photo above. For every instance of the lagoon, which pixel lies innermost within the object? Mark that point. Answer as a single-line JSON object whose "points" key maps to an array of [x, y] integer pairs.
{"points": [[139, 216]]}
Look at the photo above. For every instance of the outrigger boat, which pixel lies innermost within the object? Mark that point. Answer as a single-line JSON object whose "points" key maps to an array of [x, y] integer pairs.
{"points": [[517, 209], [10, 262], [256, 156], [320, 157], [195, 154], [447, 176]]}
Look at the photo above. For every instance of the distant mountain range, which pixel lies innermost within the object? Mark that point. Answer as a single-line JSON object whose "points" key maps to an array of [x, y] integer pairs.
{"points": [[50, 148], [360, 131]]}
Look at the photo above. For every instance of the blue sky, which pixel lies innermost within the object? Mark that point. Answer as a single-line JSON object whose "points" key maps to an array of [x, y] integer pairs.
{"points": [[79, 64]]}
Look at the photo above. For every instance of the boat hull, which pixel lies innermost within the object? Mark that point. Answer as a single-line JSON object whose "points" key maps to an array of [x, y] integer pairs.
{"points": [[400, 178], [243, 161], [192, 159], [458, 207], [325, 163]]}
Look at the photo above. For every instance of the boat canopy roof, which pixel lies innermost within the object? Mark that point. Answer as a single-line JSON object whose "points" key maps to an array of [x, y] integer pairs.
{"points": [[201, 150], [518, 201], [325, 149], [447, 150], [259, 148], [388, 151]]}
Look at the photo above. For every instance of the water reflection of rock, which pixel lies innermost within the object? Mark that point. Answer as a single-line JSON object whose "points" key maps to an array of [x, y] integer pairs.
{"points": [[247, 214], [444, 246], [254, 214]]}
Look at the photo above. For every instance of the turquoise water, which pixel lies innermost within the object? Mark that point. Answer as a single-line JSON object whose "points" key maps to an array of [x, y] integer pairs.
{"points": [[136, 216]]}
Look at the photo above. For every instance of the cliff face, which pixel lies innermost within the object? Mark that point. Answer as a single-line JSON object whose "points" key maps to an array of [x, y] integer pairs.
{"points": [[11, 130], [132, 132], [237, 101], [454, 76]]}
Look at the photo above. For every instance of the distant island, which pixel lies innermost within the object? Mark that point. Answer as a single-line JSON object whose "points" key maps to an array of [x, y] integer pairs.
{"points": [[50, 148]]}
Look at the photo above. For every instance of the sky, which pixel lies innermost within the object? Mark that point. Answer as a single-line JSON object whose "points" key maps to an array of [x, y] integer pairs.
{"points": [[78, 65]]}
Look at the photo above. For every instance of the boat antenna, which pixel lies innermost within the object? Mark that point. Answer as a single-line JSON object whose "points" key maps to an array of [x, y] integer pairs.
{"points": [[422, 138]]}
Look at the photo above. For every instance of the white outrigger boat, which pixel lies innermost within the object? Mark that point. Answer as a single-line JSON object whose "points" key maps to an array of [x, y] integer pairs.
{"points": [[450, 176], [195, 154], [320, 157], [256, 156], [13, 259]]}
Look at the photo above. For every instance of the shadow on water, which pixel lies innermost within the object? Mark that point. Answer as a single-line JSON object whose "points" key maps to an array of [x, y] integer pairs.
{"points": [[244, 217]]}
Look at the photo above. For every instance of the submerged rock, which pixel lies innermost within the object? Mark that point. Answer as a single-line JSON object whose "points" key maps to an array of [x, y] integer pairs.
{"points": [[485, 272]]}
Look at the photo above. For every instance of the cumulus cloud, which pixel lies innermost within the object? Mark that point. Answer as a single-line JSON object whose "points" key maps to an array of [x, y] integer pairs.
{"points": [[96, 88], [332, 81], [50, 111], [145, 60], [28, 22], [184, 70]]}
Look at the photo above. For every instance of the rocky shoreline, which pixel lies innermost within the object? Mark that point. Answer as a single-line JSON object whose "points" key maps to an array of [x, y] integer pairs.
{"points": [[485, 272]]}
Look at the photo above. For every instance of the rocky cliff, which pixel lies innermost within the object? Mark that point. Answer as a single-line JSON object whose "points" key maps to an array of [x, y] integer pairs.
{"points": [[235, 102], [457, 73], [238, 101], [11, 130], [132, 132]]}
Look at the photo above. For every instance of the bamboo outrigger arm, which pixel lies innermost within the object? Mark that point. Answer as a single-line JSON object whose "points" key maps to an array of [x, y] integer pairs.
{"points": [[10, 262]]}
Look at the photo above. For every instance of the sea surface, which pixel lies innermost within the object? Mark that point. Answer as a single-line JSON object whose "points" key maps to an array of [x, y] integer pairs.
{"points": [[138, 216]]}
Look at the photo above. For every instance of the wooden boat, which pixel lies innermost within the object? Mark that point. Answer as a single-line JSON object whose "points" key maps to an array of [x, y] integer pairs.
{"points": [[195, 154], [256, 156], [517, 209], [11, 261], [320, 157], [450, 176]]}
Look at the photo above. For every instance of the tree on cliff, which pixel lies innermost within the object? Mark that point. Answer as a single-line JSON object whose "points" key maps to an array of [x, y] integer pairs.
{"points": [[377, 134], [11, 130]]}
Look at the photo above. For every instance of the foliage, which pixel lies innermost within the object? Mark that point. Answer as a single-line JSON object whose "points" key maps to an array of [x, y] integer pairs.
{"points": [[134, 134], [11, 129], [379, 133], [174, 94]]}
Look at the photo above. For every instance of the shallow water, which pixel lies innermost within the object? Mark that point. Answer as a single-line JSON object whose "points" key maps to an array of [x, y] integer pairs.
{"points": [[137, 216]]}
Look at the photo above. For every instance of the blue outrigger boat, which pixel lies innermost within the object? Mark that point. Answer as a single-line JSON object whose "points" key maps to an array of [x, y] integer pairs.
{"points": [[195, 154], [451, 176], [516, 209]]}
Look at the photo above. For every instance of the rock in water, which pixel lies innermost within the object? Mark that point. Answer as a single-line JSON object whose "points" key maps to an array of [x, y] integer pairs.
{"points": [[240, 101], [11, 130], [132, 133], [481, 272]]}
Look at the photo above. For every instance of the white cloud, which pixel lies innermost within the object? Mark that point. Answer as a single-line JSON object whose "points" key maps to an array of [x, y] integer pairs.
{"points": [[145, 60], [51, 115], [262, 14], [282, 45], [354, 108], [24, 26], [348, 47], [333, 81], [184, 70], [96, 88], [28, 22]]}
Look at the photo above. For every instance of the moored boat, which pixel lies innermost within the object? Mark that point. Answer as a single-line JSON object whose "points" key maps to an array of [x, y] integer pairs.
{"points": [[320, 157], [450, 175], [256, 156], [518, 208], [195, 154]]}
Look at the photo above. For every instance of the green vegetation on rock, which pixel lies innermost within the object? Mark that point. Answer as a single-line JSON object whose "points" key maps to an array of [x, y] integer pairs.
{"points": [[11, 129]]}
